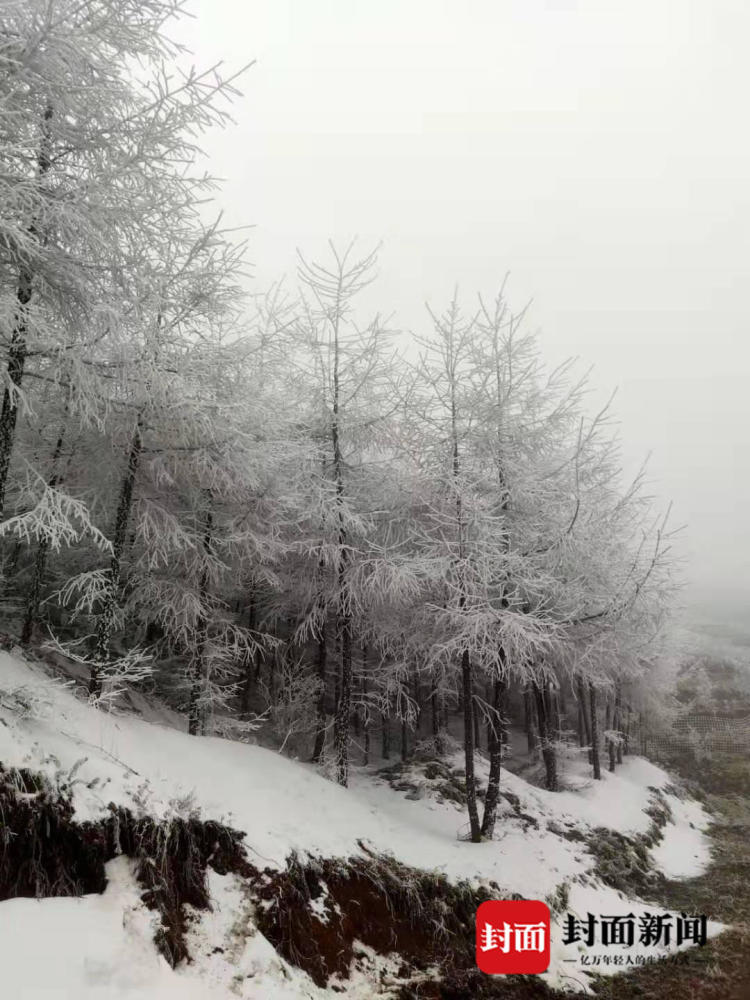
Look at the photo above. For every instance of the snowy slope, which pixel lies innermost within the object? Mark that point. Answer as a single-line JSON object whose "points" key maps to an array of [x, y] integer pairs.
{"points": [[95, 948], [283, 805]]}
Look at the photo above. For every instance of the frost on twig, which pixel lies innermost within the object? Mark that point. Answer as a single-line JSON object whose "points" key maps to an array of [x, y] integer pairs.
{"points": [[117, 674], [56, 517]]}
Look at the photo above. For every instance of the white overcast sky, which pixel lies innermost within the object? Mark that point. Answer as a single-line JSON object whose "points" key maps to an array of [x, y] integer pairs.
{"points": [[598, 150]]}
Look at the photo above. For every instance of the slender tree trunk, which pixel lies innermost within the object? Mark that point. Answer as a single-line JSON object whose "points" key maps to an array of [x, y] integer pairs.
{"points": [[337, 679], [197, 712], [471, 787], [366, 724], [618, 723], [40, 561], [562, 710], [532, 737], [495, 733], [273, 669], [356, 714], [553, 715], [581, 728], [437, 715], [609, 745], [545, 736], [106, 620], [18, 346], [386, 735], [342, 723], [250, 664], [583, 703], [14, 558], [320, 732], [467, 673], [594, 734], [477, 725], [33, 597], [16, 365], [557, 712], [404, 741]]}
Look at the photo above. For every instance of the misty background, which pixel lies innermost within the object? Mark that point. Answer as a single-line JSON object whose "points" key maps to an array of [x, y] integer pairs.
{"points": [[596, 151]]}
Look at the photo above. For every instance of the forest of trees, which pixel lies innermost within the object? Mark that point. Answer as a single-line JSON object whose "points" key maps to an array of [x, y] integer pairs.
{"points": [[267, 508]]}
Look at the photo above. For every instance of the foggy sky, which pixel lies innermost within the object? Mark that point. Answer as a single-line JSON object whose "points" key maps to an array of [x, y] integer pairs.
{"points": [[598, 150]]}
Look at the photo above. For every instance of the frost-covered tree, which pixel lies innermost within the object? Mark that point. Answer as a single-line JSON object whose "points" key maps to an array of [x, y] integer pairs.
{"points": [[474, 622], [342, 373], [100, 234], [95, 136]]}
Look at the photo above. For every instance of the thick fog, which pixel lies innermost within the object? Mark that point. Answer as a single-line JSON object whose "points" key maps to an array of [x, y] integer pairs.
{"points": [[597, 151]]}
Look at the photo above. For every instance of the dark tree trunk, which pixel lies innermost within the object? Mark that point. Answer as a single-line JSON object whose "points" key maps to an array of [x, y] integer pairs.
{"points": [[250, 665], [546, 736], [467, 673], [562, 710], [196, 713], [356, 724], [341, 733], [471, 787], [581, 727], [550, 705], [337, 678], [435, 716], [15, 370], [532, 739], [618, 723], [33, 597], [14, 559], [495, 739], [273, 666], [344, 625], [320, 732], [477, 724], [40, 562], [106, 621], [366, 725], [583, 703], [555, 698], [18, 347], [386, 735], [594, 734]]}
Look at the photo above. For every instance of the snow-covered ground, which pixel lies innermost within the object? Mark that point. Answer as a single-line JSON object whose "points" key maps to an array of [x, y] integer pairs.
{"points": [[92, 948], [104, 942], [683, 850]]}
